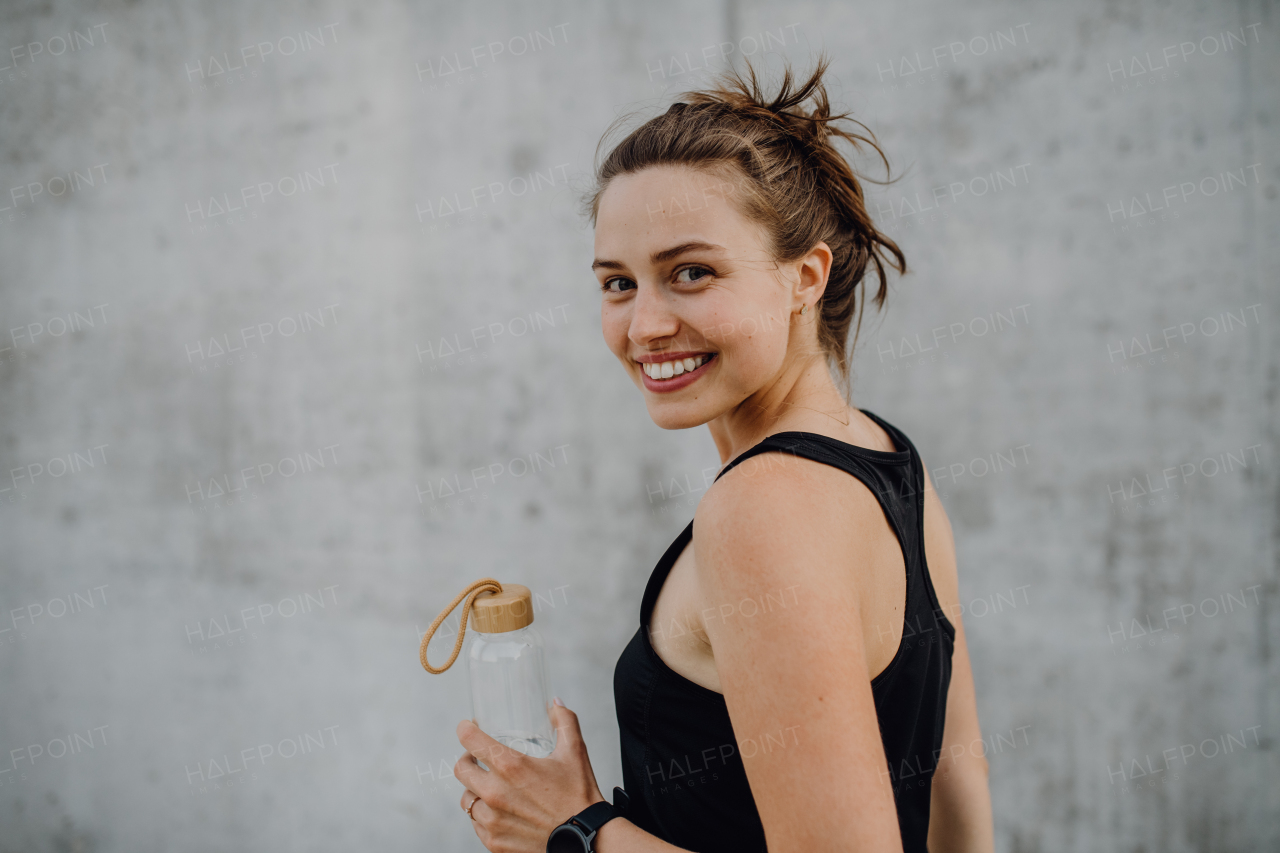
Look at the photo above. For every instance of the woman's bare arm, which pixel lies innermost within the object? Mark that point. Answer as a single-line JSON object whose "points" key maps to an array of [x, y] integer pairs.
{"points": [[795, 678], [960, 803]]}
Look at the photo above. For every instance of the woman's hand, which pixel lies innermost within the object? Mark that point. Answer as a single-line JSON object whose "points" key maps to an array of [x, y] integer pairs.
{"points": [[521, 798]]}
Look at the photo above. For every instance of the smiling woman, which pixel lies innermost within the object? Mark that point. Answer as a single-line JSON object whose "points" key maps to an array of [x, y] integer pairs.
{"points": [[731, 248]]}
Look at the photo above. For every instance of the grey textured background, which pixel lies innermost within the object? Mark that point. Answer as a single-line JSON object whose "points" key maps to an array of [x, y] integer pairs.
{"points": [[1064, 564]]}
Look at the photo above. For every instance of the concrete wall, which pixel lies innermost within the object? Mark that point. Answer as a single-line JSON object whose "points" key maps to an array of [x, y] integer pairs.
{"points": [[1089, 209]]}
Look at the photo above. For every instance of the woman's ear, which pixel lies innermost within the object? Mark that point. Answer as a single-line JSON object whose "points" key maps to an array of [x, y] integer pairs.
{"points": [[814, 269]]}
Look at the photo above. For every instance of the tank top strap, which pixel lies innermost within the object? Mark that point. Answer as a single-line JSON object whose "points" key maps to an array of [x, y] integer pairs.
{"points": [[916, 470], [888, 474], [896, 475], [768, 443]]}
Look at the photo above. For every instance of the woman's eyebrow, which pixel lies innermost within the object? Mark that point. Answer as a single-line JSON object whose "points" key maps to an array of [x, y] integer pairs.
{"points": [[663, 254]]}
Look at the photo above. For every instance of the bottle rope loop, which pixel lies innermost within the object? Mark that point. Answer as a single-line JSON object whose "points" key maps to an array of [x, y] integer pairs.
{"points": [[470, 593]]}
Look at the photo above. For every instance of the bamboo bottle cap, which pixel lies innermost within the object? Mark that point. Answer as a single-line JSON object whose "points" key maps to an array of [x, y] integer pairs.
{"points": [[499, 612]]}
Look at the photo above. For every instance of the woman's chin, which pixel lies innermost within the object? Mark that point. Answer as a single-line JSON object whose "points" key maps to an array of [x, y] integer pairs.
{"points": [[679, 416]]}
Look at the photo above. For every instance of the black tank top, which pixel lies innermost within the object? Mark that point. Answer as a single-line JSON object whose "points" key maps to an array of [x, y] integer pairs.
{"points": [[681, 763]]}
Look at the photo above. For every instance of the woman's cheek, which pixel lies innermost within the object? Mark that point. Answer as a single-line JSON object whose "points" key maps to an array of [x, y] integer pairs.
{"points": [[613, 324], [753, 358]]}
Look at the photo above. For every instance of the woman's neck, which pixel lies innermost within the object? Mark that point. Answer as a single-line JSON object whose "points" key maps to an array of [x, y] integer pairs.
{"points": [[801, 397]]}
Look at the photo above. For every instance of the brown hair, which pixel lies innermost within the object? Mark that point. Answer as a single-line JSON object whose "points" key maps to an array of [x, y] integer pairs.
{"points": [[797, 185]]}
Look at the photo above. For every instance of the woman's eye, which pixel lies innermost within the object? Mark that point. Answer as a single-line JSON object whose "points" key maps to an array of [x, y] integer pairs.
{"points": [[616, 285], [705, 272]]}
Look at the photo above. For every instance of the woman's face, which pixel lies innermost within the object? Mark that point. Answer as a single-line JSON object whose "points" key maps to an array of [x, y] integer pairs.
{"points": [[687, 282]]}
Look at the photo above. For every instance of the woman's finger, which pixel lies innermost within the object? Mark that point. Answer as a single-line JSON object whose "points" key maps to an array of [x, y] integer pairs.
{"points": [[481, 829], [469, 774], [498, 757], [475, 741], [482, 813], [568, 731]]}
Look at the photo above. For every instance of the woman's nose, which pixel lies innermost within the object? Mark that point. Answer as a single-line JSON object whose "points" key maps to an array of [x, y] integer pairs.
{"points": [[651, 317]]}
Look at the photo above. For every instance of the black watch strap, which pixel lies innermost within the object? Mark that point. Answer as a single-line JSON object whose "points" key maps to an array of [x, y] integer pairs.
{"points": [[594, 816], [598, 814], [589, 820]]}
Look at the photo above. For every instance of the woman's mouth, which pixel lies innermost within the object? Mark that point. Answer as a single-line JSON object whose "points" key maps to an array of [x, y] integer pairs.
{"points": [[673, 373]]}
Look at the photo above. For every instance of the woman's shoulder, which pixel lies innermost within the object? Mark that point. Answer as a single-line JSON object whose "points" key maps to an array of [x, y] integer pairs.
{"points": [[778, 497]]}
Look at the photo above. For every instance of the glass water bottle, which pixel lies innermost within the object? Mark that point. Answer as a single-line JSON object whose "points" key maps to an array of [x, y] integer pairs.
{"points": [[507, 664]]}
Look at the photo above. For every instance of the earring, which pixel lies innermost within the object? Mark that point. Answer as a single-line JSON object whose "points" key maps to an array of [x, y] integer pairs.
{"points": [[804, 309]]}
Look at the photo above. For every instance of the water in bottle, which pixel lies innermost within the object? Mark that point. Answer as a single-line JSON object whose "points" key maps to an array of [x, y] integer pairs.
{"points": [[508, 668]]}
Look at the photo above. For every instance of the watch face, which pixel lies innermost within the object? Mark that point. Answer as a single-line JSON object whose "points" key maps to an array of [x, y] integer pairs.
{"points": [[567, 839]]}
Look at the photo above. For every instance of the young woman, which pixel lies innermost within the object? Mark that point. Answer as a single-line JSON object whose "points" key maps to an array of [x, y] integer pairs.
{"points": [[799, 680]]}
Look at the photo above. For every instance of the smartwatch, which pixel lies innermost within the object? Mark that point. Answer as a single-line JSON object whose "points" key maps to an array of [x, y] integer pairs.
{"points": [[578, 833]]}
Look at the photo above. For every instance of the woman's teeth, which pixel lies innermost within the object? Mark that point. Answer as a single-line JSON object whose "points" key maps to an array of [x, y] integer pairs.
{"points": [[667, 369]]}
